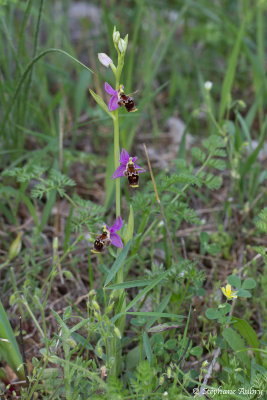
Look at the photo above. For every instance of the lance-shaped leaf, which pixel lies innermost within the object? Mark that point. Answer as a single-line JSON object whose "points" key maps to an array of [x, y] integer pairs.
{"points": [[101, 103], [9, 349]]}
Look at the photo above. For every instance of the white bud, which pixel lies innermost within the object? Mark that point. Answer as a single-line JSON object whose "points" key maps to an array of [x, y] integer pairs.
{"points": [[116, 36], [122, 45], [104, 59], [208, 85]]}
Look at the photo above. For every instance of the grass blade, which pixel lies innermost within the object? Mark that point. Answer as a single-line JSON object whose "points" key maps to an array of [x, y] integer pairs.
{"points": [[118, 263]]}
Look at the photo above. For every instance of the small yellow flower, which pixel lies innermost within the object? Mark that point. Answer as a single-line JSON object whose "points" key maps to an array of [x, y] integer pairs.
{"points": [[228, 292]]}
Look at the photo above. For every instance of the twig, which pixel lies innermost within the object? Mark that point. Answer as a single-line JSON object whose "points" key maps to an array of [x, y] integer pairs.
{"points": [[208, 374], [160, 206]]}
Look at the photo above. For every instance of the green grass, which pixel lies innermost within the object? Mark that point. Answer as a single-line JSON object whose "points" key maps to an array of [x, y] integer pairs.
{"points": [[142, 322]]}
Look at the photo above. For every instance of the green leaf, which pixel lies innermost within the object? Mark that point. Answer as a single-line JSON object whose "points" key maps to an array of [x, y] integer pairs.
{"points": [[129, 284], [230, 73], [213, 182], [118, 263], [226, 308], [101, 103], [170, 344], [65, 330], [236, 343], [130, 226], [147, 314], [248, 333], [198, 154], [82, 341], [235, 281], [211, 313], [163, 327], [9, 349], [213, 248], [48, 209], [147, 289], [196, 351], [249, 284], [204, 237], [160, 308], [243, 293], [147, 347]]}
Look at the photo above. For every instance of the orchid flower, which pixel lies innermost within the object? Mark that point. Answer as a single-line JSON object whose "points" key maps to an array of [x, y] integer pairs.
{"points": [[124, 160], [113, 236], [114, 100]]}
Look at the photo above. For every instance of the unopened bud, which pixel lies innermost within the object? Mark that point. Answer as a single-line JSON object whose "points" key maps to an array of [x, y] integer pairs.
{"points": [[161, 380], [15, 247], [72, 342], [122, 45], [117, 332], [92, 293], [104, 59], [208, 85], [95, 305], [55, 244], [99, 351], [242, 104], [169, 372], [116, 36]]}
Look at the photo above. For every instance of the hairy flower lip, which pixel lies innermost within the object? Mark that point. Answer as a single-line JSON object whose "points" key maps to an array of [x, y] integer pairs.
{"points": [[124, 160]]}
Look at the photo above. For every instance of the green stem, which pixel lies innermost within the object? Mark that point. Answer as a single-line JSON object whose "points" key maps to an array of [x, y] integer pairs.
{"points": [[116, 161], [67, 378]]}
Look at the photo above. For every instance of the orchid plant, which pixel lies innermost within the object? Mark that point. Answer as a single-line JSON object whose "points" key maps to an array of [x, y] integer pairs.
{"points": [[124, 165]]}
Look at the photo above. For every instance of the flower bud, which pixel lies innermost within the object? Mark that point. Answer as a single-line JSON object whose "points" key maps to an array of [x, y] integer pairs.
{"points": [[122, 45], [99, 351], [161, 380], [208, 85], [104, 59], [15, 247], [72, 343], [117, 332], [55, 244], [169, 372], [110, 308], [92, 293], [95, 305], [116, 36]]}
